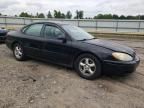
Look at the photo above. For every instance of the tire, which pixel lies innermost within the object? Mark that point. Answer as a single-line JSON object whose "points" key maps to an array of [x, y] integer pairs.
{"points": [[88, 66], [18, 52]]}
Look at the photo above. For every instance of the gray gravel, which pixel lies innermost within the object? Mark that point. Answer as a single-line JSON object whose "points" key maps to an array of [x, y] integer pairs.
{"points": [[36, 84]]}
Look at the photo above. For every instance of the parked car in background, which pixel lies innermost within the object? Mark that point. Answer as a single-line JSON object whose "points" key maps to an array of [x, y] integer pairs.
{"points": [[73, 47], [3, 33]]}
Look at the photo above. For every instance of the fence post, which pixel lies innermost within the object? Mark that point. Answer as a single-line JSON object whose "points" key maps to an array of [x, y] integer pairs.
{"points": [[24, 21], [31, 20], [78, 22], [5, 22], [117, 25], [96, 25], [139, 26]]}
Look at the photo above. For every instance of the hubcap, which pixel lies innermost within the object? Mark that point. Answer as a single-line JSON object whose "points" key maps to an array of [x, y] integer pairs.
{"points": [[18, 52], [87, 66]]}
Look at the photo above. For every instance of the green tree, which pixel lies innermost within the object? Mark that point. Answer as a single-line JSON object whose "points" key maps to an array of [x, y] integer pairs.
{"points": [[49, 15], [63, 15], [141, 17], [58, 14], [107, 16], [99, 16], [79, 14], [37, 14], [68, 15], [40, 15], [24, 14], [132, 17], [55, 14], [122, 17], [115, 16]]}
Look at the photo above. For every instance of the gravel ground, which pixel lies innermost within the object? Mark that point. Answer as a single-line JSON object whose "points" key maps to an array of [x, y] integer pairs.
{"points": [[36, 84]]}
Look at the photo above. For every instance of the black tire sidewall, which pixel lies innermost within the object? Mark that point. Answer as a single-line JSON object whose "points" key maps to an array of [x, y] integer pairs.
{"points": [[98, 66]]}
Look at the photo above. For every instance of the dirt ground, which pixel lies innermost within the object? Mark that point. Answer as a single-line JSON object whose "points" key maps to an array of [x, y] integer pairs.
{"points": [[36, 84]]}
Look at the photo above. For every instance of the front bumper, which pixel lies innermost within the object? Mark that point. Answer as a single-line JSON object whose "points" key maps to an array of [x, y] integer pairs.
{"points": [[2, 38], [119, 68]]}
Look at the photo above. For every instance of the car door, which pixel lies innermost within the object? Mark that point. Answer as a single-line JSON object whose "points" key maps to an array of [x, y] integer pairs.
{"points": [[33, 40], [57, 47]]}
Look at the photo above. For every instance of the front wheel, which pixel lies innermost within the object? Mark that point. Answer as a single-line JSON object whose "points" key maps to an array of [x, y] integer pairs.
{"points": [[88, 66], [18, 52]]}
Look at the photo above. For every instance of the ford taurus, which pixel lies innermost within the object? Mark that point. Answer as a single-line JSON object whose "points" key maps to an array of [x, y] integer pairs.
{"points": [[72, 47]]}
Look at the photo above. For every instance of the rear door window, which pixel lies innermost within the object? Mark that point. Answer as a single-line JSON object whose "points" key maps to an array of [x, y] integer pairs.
{"points": [[34, 30]]}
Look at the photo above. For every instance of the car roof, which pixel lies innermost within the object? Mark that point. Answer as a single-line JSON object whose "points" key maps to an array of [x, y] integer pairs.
{"points": [[60, 24], [53, 23]]}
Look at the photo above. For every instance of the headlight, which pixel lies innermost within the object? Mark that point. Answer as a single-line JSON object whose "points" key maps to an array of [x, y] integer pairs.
{"points": [[122, 56]]}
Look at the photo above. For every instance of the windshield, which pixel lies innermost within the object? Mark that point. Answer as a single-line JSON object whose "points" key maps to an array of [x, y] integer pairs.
{"points": [[77, 33]]}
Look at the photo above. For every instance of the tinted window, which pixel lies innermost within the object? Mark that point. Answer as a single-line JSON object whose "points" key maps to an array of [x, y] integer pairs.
{"points": [[53, 32], [34, 30]]}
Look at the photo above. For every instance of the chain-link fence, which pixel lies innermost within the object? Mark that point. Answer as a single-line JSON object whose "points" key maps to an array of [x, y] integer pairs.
{"points": [[91, 25]]}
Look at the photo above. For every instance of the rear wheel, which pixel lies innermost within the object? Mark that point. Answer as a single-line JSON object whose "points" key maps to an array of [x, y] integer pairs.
{"points": [[18, 52], [88, 66]]}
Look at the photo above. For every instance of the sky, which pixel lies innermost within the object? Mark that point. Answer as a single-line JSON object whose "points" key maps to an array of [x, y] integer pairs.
{"points": [[90, 7]]}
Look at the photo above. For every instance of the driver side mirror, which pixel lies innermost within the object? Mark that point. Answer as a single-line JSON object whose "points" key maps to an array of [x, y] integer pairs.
{"points": [[62, 37]]}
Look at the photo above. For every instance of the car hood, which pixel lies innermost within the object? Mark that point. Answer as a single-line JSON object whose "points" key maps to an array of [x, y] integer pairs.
{"points": [[111, 45]]}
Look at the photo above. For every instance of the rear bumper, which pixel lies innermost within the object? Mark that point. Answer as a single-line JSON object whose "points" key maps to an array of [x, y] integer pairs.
{"points": [[119, 68]]}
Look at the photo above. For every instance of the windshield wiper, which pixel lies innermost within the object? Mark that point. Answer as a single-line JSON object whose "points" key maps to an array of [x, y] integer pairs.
{"points": [[86, 39], [83, 40], [93, 38]]}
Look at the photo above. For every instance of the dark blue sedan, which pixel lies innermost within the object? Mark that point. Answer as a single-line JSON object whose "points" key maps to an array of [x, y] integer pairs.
{"points": [[3, 33], [72, 47]]}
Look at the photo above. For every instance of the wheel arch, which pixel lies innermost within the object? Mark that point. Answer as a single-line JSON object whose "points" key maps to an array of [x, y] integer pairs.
{"points": [[85, 52], [15, 42]]}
